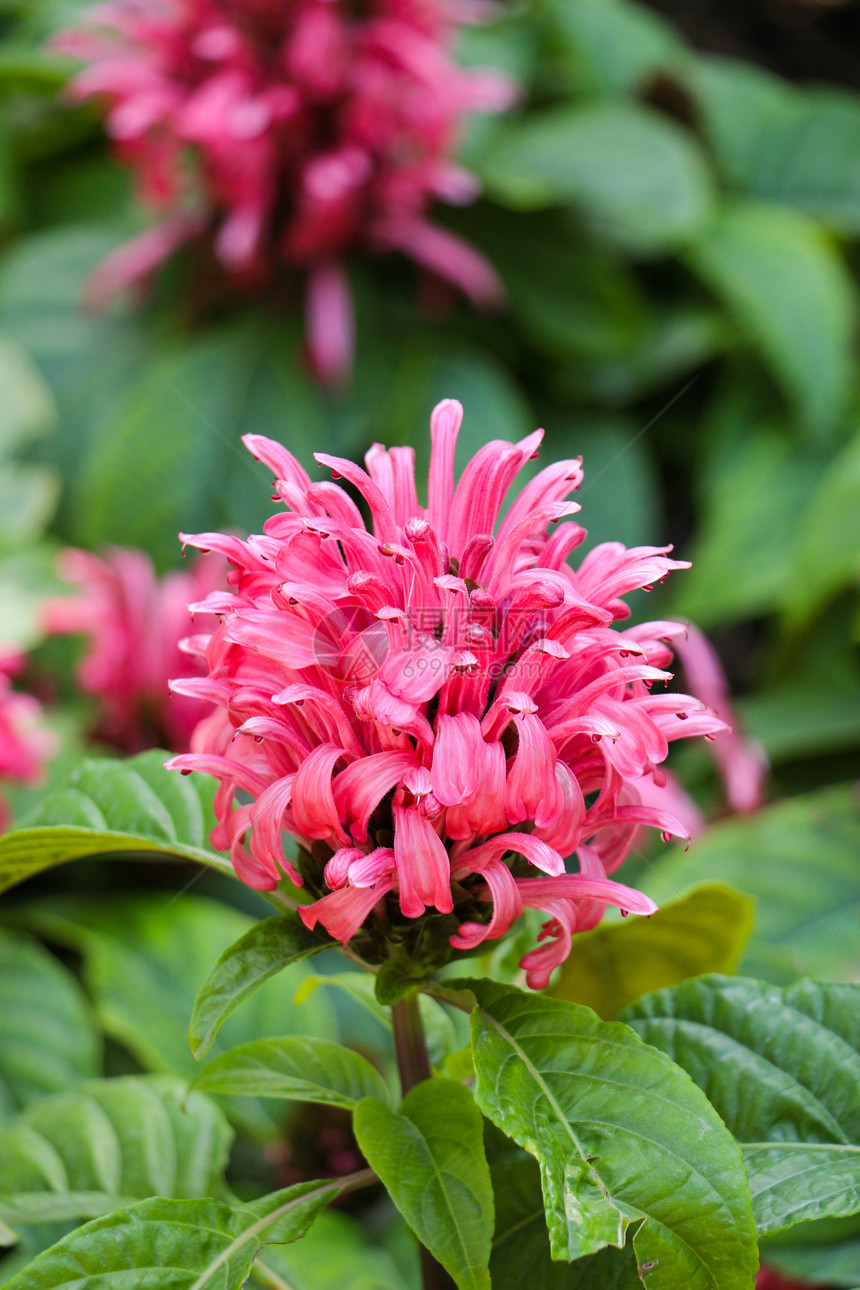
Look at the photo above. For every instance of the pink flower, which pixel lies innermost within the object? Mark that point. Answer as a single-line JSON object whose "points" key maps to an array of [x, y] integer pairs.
{"points": [[137, 627], [25, 745], [317, 126], [742, 763], [439, 708]]}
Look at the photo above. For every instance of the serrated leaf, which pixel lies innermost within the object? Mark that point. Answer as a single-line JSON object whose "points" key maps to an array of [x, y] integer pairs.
{"points": [[109, 807], [48, 1038], [267, 948], [611, 966], [431, 1158], [827, 555], [521, 1252], [623, 1137], [145, 957], [798, 860], [79, 1155], [175, 1244], [793, 298], [782, 1069], [296, 1067], [637, 176]]}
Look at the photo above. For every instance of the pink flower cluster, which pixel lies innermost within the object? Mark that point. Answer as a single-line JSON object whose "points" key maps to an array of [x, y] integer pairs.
{"points": [[138, 629], [439, 709], [25, 744], [317, 125]]}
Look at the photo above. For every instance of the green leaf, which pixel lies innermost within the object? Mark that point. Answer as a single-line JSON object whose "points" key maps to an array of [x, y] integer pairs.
{"points": [[78, 1155], [623, 1137], [28, 406], [609, 46], [738, 516], [48, 1038], [209, 391], [781, 1067], [793, 298], [431, 1158], [800, 148], [336, 1254], [798, 860], [521, 1253], [298, 1068], [266, 949], [611, 966], [637, 176], [175, 1244], [132, 807], [145, 957], [827, 556]]}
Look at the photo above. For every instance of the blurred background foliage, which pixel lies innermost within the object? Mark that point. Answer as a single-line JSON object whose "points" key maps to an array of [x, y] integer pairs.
{"points": [[674, 208]]}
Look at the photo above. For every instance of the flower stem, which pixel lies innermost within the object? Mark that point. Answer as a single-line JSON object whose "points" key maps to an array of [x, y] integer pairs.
{"points": [[413, 1062]]}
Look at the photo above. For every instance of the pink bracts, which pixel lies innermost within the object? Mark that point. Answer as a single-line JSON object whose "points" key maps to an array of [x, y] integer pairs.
{"points": [[25, 745], [438, 708], [137, 627], [286, 133]]}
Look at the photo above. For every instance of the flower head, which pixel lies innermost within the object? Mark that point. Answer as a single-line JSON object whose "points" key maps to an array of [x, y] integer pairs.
{"points": [[315, 125], [25, 745], [438, 707], [137, 627]]}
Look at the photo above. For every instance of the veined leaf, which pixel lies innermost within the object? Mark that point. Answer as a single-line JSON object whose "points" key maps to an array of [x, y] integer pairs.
{"points": [[132, 807], [782, 1069], [609, 967], [48, 1037], [298, 1068], [176, 1244], [267, 948], [431, 1158], [521, 1253], [144, 960], [637, 176], [113, 1141], [798, 859], [793, 297], [623, 1137]]}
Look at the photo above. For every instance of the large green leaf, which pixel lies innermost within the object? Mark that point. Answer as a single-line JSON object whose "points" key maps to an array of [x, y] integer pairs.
{"points": [[176, 1244], [738, 516], [209, 391], [611, 966], [623, 1137], [28, 406], [800, 148], [793, 298], [132, 807], [79, 1155], [298, 1068], [638, 177], [521, 1251], [782, 1068], [145, 958], [610, 47], [827, 556], [48, 1038], [798, 859], [431, 1158], [266, 949]]}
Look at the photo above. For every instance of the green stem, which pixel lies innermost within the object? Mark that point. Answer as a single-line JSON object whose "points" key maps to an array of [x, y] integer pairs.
{"points": [[413, 1062]]}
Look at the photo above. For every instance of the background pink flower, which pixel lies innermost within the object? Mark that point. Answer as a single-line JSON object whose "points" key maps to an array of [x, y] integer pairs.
{"points": [[315, 126], [25, 745], [439, 708], [138, 632]]}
